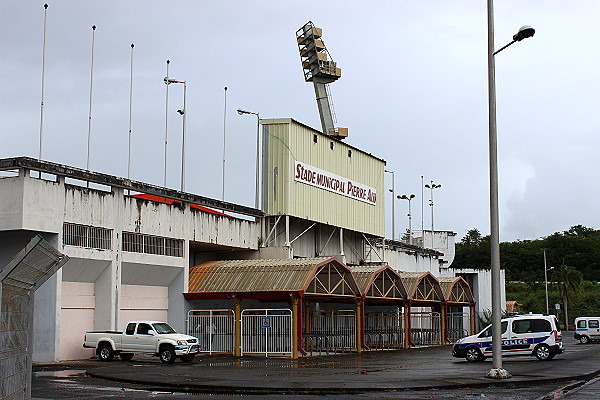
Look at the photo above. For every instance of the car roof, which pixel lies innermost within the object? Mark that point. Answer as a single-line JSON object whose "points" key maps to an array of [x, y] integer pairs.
{"points": [[523, 316]]}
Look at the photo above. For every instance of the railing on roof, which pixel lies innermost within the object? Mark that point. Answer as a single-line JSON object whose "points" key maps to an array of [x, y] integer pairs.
{"points": [[61, 170]]}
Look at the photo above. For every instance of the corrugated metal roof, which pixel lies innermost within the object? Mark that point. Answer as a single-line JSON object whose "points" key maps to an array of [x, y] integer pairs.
{"points": [[413, 279], [239, 276], [367, 276], [363, 274], [449, 283]]}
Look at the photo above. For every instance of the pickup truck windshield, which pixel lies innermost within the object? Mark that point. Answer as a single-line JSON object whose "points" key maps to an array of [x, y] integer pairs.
{"points": [[163, 328]]}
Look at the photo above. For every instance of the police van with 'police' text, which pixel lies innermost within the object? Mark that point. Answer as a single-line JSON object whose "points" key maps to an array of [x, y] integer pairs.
{"points": [[533, 334]]}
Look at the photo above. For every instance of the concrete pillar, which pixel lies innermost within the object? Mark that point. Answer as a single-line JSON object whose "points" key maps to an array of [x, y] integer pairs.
{"points": [[105, 290], [116, 267]]}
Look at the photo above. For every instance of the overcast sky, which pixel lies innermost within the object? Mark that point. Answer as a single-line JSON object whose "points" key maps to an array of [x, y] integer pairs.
{"points": [[413, 92]]}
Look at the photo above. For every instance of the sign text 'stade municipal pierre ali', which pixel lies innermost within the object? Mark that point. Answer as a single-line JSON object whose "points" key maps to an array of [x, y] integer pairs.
{"points": [[325, 180]]}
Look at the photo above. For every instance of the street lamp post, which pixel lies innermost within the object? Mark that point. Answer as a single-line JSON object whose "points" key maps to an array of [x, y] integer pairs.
{"points": [[526, 31], [242, 112], [432, 186], [409, 198], [392, 190], [182, 112], [546, 280]]}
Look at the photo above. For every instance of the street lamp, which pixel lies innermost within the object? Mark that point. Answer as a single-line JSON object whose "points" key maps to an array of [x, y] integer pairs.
{"points": [[392, 190], [242, 112], [526, 31], [546, 269], [182, 112], [409, 198], [432, 186]]}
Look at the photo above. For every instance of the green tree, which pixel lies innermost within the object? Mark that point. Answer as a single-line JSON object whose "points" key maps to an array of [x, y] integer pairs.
{"points": [[472, 238], [569, 281]]}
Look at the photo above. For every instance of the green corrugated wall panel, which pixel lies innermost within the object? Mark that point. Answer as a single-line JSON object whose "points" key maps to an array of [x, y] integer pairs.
{"points": [[289, 141]]}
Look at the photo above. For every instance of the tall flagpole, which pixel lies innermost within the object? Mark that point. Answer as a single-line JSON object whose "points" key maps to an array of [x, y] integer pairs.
{"points": [[224, 142], [166, 122], [130, 112], [43, 76], [91, 87]]}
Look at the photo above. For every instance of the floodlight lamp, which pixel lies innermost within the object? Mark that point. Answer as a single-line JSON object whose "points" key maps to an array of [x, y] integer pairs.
{"points": [[525, 32]]}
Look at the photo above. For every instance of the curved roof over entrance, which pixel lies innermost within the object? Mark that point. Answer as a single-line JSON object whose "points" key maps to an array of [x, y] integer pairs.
{"points": [[377, 282], [456, 290], [422, 286], [323, 277]]}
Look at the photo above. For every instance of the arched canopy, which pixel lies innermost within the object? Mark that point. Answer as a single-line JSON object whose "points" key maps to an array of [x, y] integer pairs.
{"points": [[325, 278], [456, 290], [422, 286], [381, 283]]}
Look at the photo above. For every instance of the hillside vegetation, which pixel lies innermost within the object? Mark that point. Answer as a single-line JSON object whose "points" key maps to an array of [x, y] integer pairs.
{"points": [[572, 260]]}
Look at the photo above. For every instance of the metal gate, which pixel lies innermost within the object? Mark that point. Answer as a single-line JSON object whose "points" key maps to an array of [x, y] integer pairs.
{"points": [[215, 329], [458, 326], [425, 328], [267, 331], [384, 329], [331, 331]]}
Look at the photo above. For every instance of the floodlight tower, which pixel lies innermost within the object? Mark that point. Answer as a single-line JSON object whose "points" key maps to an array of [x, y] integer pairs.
{"points": [[321, 70]]}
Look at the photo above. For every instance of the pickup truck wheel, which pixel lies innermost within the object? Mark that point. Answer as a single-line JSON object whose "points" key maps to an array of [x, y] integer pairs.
{"points": [[105, 353], [167, 355], [188, 358], [126, 356]]}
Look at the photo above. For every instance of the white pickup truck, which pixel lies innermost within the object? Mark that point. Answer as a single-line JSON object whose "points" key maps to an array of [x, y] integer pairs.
{"points": [[143, 337]]}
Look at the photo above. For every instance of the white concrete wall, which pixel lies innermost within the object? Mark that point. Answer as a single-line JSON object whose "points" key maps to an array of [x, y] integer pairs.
{"points": [[77, 313], [120, 280]]}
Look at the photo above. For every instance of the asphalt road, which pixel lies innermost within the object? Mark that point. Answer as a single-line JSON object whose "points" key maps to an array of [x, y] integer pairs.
{"points": [[386, 370]]}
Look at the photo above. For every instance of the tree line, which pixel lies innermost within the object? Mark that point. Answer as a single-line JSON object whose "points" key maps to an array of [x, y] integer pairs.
{"points": [[523, 260], [572, 261]]}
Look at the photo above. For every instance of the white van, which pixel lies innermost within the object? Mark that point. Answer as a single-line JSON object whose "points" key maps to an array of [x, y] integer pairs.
{"points": [[532, 334], [587, 328]]}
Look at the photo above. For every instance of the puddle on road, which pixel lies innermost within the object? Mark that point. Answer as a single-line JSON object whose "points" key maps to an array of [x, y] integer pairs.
{"points": [[60, 374]]}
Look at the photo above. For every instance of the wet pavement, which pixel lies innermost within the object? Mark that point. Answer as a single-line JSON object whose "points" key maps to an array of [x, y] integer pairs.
{"points": [[410, 369]]}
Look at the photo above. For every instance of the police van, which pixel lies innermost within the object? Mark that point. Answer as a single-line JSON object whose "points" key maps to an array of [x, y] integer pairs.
{"points": [[523, 335]]}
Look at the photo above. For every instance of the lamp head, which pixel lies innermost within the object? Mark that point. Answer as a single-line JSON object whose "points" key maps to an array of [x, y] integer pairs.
{"points": [[181, 112], [242, 112], [171, 80], [525, 32]]}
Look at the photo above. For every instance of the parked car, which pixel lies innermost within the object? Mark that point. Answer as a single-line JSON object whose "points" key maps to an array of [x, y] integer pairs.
{"points": [[143, 337], [587, 328], [532, 334]]}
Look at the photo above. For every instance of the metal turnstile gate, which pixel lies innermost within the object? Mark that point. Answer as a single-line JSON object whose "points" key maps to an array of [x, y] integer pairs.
{"points": [[384, 330], [267, 331], [215, 330], [458, 326], [331, 331], [425, 328]]}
